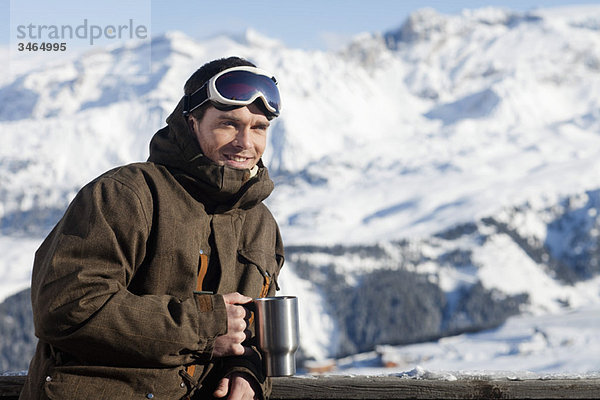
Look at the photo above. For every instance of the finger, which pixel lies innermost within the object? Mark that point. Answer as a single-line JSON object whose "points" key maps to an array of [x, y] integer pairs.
{"points": [[235, 311], [222, 388], [236, 298], [241, 388], [238, 350], [241, 312], [241, 299], [236, 325], [243, 325]]}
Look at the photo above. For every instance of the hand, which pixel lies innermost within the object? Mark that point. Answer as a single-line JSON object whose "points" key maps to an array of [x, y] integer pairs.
{"points": [[230, 344], [237, 385]]}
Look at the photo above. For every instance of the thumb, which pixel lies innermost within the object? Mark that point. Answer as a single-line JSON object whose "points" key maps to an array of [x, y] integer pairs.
{"points": [[222, 388], [236, 298]]}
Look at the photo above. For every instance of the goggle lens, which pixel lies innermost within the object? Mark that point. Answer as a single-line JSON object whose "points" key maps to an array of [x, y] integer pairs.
{"points": [[247, 86]]}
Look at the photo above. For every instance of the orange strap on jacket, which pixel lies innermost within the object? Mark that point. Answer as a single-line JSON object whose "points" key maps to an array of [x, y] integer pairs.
{"points": [[201, 274], [265, 289], [263, 293]]}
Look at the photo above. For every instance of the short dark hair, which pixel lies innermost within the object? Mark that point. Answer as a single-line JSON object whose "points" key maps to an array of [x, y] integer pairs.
{"points": [[207, 71]]}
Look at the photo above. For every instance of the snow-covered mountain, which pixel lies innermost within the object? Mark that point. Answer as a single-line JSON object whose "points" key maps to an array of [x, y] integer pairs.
{"points": [[462, 151]]}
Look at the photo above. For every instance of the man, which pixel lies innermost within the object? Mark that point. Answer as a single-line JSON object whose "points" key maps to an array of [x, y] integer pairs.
{"points": [[138, 291]]}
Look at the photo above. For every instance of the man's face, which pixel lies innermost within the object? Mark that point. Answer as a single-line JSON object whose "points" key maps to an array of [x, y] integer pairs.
{"points": [[235, 138]]}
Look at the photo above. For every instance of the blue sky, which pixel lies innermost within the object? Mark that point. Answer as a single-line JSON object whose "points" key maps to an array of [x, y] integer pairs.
{"points": [[307, 24]]}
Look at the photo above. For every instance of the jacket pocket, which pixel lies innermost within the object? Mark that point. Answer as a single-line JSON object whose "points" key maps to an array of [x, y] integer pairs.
{"points": [[260, 272]]}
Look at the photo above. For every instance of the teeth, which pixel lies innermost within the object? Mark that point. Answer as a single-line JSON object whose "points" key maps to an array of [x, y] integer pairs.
{"points": [[237, 158]]}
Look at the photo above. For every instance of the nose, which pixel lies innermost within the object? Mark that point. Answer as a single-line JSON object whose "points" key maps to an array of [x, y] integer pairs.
{"points": [[242, 138]]}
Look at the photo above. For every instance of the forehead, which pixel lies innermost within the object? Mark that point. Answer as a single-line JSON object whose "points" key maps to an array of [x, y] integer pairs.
{"points": [[251, 113]]}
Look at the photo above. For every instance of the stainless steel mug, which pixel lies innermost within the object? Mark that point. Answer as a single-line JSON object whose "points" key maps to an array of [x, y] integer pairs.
{"points": [[276, 323]]}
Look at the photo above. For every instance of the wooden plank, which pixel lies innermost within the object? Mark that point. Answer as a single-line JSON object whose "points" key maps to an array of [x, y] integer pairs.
{"points": [[389, 387], [10, 387]]}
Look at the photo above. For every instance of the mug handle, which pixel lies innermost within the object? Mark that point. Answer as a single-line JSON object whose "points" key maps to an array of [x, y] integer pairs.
{"points": [[250, 306]]}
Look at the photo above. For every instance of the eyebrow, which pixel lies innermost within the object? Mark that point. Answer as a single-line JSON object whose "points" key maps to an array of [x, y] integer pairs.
{"points": [[227, 117]]}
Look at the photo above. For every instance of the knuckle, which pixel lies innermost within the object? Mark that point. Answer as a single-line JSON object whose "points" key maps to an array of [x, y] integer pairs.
{"points": [[238, 350], [238, 311]]}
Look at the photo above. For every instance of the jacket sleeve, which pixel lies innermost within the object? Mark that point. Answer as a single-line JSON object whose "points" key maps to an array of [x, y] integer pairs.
{"points": [[251, 366], [79, 288]]}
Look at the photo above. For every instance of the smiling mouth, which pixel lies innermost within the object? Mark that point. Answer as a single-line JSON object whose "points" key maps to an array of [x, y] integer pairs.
{"points": [[237, 159]]}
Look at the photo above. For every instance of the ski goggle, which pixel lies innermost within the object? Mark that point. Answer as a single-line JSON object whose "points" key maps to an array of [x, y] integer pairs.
{"points": [[235, 87]]}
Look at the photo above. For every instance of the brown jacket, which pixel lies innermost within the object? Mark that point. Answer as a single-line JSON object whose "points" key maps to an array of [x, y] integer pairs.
{"points": [[113, 284]]}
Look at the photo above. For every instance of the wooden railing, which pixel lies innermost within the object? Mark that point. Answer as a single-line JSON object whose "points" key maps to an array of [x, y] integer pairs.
{"points": [[389, 387]]}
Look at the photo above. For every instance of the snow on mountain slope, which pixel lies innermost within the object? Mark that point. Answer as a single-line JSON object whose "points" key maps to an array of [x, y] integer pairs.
{"points": [[549, 346], [476, 112], [533, 259]]}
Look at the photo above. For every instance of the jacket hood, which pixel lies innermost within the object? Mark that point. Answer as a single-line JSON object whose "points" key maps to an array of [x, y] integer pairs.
{"points": [[219, 187]]}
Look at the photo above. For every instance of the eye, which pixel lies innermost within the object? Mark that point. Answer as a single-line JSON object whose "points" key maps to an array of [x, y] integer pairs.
{"points": [[261, 127], [228, 123]]}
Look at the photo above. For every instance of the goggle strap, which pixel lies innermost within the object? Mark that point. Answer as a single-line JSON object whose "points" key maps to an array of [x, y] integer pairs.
{"points": [[194, 100]]}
